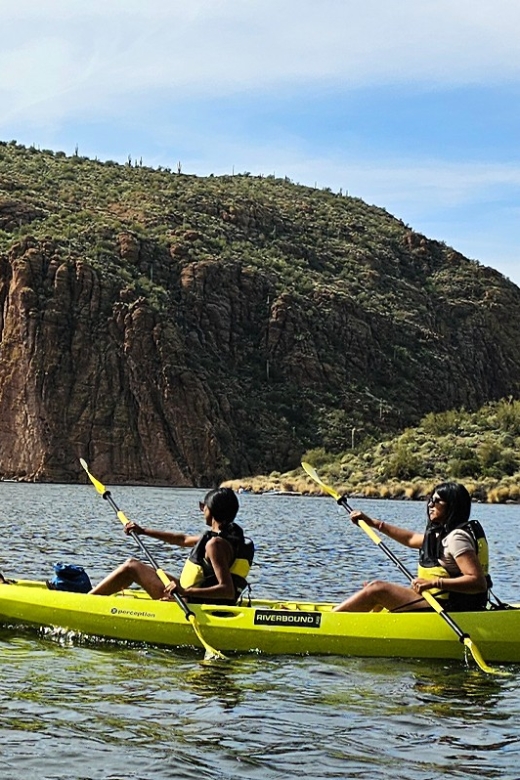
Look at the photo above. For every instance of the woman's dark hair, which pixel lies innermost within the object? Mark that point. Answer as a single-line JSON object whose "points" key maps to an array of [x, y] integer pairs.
{"points": [[458, 503], [223, 504]]}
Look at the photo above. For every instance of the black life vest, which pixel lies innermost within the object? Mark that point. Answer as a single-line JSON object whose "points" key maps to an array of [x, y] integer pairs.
{"points": [[198, 571], [430, 567]]}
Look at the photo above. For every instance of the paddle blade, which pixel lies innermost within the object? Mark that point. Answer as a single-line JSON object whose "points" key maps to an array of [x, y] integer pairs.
{"points": [[97, 484], [211, 652], [313, 474], [475, 652]]}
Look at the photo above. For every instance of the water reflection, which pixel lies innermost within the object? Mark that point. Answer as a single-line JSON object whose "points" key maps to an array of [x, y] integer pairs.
{"points": [[450, 691], [215, 683]]}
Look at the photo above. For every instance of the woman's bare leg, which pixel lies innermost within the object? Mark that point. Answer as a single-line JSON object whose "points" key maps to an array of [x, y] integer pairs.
{"points": [[379, 595], [129, 572]]}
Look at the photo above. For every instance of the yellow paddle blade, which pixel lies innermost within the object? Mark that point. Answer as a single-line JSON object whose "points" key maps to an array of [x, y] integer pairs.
{"points": [[468, 642], [97, 484], [313, 474], [475, 652], [211, 652]]}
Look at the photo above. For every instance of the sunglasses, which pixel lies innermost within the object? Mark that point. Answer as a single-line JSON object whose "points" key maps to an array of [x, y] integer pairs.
{"points": [[435, 500]]}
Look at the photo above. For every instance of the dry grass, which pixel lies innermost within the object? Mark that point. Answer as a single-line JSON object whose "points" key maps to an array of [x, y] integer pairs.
{"points": [[485, 491]]}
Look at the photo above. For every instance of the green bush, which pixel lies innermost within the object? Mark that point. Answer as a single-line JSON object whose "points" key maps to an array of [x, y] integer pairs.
{"points": [[496, 461], [403, 464], [318, 457], [464, 467], [508, 416], [441, 423]]}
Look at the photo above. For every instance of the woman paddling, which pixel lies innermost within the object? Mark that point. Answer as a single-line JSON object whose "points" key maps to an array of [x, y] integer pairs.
{"points": [[453, 559], [215, 571]]}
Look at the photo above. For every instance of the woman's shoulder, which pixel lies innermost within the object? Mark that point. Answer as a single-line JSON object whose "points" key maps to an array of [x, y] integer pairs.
{"points": [[460, 538]]}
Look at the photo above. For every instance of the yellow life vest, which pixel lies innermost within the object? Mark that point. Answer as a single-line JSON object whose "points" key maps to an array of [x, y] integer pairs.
{"points": [[198, 571]]}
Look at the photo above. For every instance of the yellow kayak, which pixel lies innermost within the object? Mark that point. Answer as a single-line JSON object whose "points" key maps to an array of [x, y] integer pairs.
{"points": [[266, 626]]}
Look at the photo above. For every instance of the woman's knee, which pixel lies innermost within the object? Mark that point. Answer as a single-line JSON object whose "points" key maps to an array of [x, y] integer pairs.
{"points": [[377, 586], [378, 591], [131, 564]]}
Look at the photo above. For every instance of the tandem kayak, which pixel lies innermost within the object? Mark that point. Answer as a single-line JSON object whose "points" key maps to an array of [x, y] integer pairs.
{"points": [[267, 626]]}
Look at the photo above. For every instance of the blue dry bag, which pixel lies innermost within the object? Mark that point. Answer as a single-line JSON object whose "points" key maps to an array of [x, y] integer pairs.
{"points": [[67, 576]]}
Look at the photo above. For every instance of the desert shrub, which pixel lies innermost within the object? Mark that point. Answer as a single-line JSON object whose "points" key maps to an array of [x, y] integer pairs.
{"points": [[496, 461], [508, 416], [478, 492], [414, 491], [403, 464], [462, 460], [318, 457], [498, 495], [441, 423], [461, 466], [514, 491], [371, 491], [489, 453]]}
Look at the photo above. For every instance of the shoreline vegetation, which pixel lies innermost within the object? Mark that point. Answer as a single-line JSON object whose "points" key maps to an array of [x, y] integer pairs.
{"points": [[479, 449]]}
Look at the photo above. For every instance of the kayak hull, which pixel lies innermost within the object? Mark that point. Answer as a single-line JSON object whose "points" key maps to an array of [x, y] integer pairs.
{"points": [[275, 627]]}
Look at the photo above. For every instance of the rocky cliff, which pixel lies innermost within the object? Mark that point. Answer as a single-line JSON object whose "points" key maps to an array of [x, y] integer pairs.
{"points": [[175, 330]]}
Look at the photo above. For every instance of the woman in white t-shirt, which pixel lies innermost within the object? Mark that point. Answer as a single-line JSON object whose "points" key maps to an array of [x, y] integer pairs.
{"points": [[453, 559]]}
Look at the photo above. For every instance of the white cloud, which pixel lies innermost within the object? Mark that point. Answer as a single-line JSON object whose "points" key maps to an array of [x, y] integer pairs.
{"points": [[75, 57], [436, 182]]}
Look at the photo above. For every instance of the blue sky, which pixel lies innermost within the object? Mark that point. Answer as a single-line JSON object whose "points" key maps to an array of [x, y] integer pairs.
{"points": [[412, 105]]}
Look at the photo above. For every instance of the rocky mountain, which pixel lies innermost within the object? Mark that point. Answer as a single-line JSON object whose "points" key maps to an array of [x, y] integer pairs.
{"points": [[179, 330]]}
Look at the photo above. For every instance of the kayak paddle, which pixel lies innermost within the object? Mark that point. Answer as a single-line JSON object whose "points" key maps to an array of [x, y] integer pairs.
{"points": [[101, 489], [432, 601]]}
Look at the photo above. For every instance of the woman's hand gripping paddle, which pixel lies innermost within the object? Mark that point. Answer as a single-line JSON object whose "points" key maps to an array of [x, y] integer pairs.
{"points": [[432, 601], [101, 489]]}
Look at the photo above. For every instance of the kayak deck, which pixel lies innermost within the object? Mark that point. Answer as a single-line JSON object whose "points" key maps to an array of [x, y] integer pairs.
{"points": [[267, 626]]}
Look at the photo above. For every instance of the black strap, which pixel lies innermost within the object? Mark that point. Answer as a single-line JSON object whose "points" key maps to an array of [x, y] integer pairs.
{"points": [[241, 597], [499, 604], [408, 604]]}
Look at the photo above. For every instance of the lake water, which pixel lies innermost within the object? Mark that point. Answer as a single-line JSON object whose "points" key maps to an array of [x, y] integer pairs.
{"points": [[109, 711]]}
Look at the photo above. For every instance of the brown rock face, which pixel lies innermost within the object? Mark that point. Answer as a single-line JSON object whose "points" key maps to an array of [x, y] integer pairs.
{"points": [[174, 329], [86, 373], [228, 376]]}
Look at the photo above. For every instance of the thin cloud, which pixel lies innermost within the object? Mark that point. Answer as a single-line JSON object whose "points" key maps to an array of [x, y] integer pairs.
{"points": [[99, 52]]}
